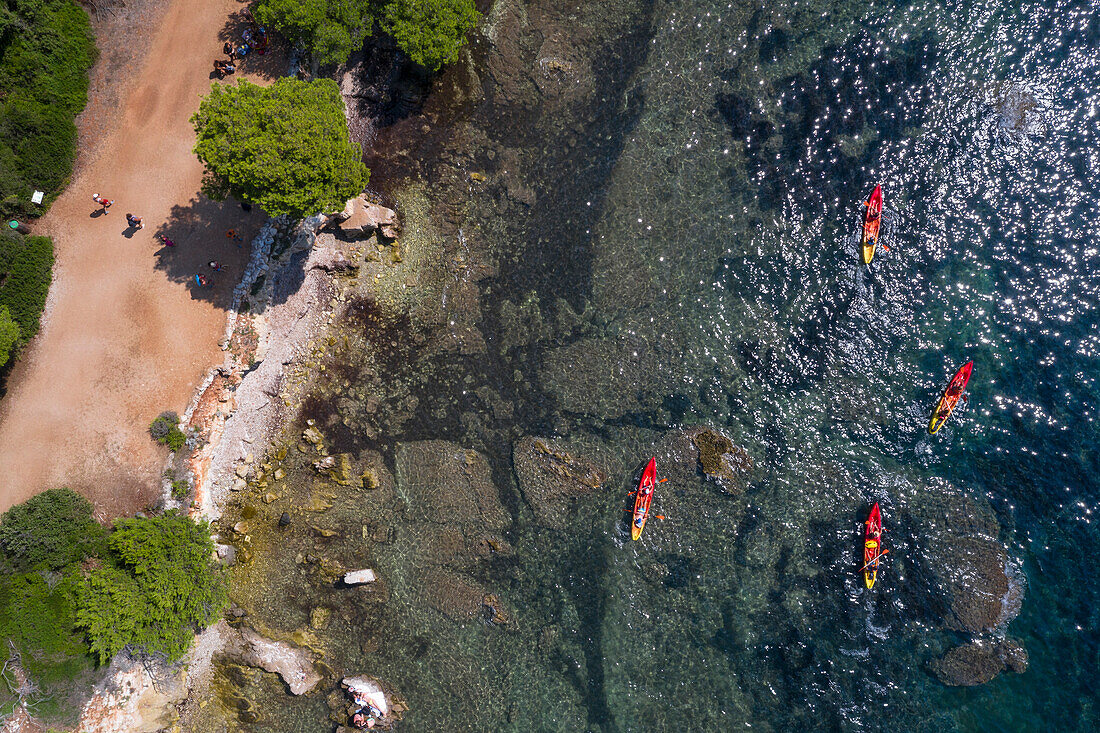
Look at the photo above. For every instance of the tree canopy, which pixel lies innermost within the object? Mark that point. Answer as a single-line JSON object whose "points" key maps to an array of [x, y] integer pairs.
{"points": [[158, 585], [331, 29], [49, 531], [283, 147], [431, 32]]}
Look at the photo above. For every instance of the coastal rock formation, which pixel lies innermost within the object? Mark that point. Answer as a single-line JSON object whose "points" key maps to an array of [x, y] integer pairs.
{"points": [[979, 661], [551, 478], [132, 700], [361, 218], [293, 663], [444, 483]]}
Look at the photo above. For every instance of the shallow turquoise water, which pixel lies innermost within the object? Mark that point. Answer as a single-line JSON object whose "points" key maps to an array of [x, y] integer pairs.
{"points": [[669, 239]]}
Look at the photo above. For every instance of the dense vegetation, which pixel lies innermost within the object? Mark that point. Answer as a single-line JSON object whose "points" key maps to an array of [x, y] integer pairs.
{"points": [[331, 29], [430, 31], [74, 593], [26, 268], [284, 147], [46, 48]]}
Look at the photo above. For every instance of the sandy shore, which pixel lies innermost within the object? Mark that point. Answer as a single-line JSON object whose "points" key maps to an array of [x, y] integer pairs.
{"points": [[127, 334]]}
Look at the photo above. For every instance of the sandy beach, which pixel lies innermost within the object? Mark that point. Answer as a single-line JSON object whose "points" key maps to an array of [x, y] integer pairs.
{"points": [[127, 333]]}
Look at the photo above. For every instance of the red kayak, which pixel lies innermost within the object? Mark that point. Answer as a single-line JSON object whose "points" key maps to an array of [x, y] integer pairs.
{"points": [[872, 546], [643, 498], [872, 218], [950, 398]]}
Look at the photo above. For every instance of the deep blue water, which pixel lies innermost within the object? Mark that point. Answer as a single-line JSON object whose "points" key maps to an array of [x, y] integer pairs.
{"points": [[669, 237]]}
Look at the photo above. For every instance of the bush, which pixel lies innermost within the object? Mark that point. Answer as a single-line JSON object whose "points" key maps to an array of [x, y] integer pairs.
{"points": [[26, 268], [284, 147], [165, 430], [49, 531], [330, 29], [46, 48], [38, 616], [160, 585], [431, 32], [9, 335], [180, 489]]}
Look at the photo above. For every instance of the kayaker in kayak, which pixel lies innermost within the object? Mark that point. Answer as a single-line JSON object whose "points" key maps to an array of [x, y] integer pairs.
{"points": [[639, 520]]}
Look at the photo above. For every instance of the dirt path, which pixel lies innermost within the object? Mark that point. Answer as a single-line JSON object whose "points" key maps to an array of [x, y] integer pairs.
{"points": [[127, 333]]}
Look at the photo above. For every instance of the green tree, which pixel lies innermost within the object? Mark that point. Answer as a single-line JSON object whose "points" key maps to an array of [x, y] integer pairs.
{"points": [[330, 29], [9, 335], [284, 147], [431, 32], [50, 530], [159, 586]]}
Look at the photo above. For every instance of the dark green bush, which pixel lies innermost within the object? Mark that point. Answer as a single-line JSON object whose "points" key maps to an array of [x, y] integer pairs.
{"points": [[50, 531], [9, 335], [158, 585], [46, 48], [165, 430], [26, 268]]}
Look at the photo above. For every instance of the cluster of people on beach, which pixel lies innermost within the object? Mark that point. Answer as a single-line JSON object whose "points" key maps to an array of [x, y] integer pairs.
{"points": [[253, 39], [136, 223]]}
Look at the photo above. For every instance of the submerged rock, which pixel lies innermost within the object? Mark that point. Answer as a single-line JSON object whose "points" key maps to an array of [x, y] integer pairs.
{"points": [[447, 484], [720, 459], [293, 663], [971, 570], [551, 478], [456, 597], [979, 661]]}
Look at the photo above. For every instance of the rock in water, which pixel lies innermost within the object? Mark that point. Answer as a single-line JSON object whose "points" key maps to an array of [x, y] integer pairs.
{"points": [[358, 577], [969, 564], [293, 663], [551, 478], [721, 460], [978, 662]]}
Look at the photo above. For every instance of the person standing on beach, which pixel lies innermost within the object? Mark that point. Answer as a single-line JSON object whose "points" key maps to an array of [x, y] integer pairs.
{"points": [[103, 201], [135, 221]]}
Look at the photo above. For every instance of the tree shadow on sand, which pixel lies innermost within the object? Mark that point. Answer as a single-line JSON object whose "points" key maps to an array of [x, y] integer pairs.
{"points": [[202, 232], [272, 64]]}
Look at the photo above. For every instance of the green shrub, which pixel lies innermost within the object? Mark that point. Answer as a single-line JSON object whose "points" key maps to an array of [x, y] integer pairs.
{"points": [[165, 430], [180, 489], [46, 48], [331, 30], [159, 586], [49, 531], [431, 32], [284, 147], [26, 268], [9, 335]]}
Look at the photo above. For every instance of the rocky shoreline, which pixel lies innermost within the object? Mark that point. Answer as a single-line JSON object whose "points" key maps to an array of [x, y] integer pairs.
{"points": [[293, 288]]}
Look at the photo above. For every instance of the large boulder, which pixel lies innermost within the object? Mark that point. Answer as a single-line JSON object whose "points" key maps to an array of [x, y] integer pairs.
{"points": [[293, 663], [978, 662], [361, 218], [552, 478]]}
